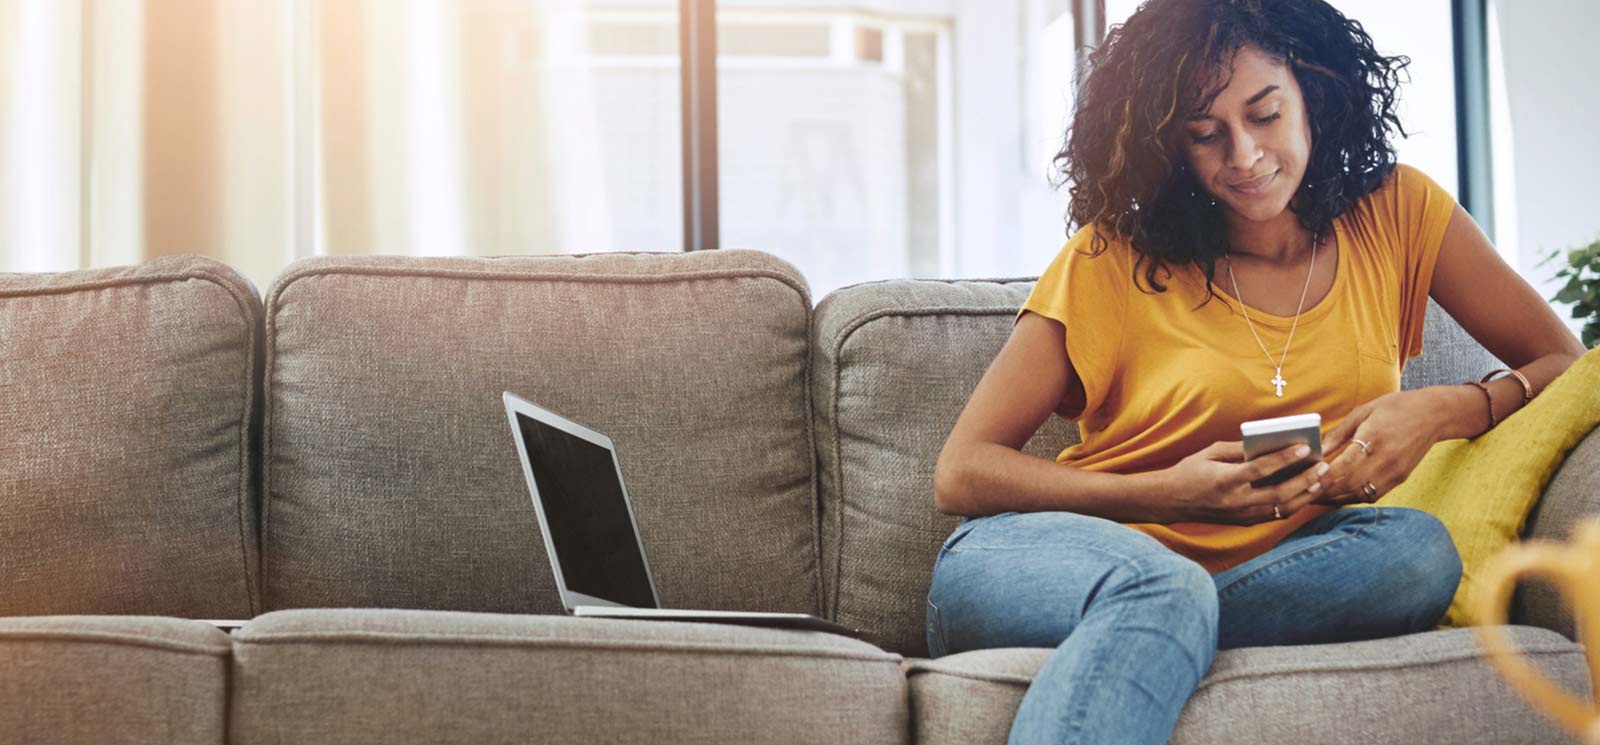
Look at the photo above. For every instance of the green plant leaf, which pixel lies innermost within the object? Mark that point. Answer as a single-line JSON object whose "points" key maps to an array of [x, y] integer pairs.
{"points": [[1572, 293]]}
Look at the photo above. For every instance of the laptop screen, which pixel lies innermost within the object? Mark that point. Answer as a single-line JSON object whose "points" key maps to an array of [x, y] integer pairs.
{"points": [[587, 514]]}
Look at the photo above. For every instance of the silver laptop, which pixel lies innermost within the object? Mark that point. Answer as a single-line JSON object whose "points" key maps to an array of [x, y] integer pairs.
{"points": [[589, 530]]}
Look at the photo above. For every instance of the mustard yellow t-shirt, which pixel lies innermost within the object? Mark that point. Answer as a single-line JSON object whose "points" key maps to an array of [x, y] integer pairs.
{"points": [[1159, 380]]}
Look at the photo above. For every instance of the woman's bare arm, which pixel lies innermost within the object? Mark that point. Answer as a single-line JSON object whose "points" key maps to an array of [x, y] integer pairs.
{"points": [[982, 469], [1499, 309]]}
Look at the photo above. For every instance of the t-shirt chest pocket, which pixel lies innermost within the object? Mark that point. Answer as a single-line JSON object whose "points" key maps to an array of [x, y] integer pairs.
{"points": [[1378, 362]]}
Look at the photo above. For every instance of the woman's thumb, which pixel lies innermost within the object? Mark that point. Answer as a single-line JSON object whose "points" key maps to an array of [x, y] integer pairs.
{"points": [[1231, 451]]}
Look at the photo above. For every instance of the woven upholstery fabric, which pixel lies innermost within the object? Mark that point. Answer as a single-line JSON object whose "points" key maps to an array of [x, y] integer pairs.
{"points": [[363, 676], [1572, 495], [126, 396], [391, 474], [104, 680], [895, 363], [1450, 355], [1433, 687]]}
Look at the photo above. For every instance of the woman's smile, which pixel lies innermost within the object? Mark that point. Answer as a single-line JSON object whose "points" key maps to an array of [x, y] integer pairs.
{"points": [[1256, 187]]}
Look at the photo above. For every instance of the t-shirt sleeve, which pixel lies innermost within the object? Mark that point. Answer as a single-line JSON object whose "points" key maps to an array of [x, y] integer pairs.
{"points": [[1087, 295], [1420, 209]]}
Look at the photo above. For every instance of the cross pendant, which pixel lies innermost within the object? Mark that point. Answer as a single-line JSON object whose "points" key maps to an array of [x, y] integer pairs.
{"points": [[1279, 382]]}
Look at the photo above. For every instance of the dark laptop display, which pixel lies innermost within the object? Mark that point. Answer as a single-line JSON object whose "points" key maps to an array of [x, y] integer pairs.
{"points": [[587, 515]]}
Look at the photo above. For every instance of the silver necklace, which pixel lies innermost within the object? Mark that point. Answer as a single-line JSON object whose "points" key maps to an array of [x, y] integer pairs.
{"points": [[1277, 376]]}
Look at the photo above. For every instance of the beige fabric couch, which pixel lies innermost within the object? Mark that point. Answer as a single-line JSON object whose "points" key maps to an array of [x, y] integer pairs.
{"points": [[332, 461]]}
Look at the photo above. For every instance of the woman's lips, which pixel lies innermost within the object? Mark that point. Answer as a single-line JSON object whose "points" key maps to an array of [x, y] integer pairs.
{"points": [[1254, 187]]}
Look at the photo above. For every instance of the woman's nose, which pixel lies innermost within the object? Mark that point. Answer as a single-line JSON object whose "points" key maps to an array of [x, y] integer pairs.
{"points": [[1243, 154]]}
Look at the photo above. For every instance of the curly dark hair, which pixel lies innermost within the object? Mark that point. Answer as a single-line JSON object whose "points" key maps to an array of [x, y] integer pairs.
{"points": [[1122, 152]]}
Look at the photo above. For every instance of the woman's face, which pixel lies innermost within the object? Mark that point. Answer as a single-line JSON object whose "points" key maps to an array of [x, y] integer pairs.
{"points": [[1249, 150]]}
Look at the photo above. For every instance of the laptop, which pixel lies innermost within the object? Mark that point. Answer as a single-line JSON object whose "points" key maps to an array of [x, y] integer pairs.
{"points": [[589, 529]]}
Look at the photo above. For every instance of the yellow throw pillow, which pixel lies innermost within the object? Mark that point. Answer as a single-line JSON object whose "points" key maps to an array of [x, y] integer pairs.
{"points": [[1483, 489]]}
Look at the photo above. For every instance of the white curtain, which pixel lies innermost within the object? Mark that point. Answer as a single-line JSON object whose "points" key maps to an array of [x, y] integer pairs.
{"points": [[262, 132]]}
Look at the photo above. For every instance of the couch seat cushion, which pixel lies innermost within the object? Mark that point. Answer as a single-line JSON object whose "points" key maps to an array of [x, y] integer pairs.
{"points": [[360, 676], [1433, 687], [112, 679]]}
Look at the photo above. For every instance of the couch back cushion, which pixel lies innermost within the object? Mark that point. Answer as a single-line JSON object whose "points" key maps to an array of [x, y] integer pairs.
{"points": [[126, 400], [390, 473], [896, 363]]}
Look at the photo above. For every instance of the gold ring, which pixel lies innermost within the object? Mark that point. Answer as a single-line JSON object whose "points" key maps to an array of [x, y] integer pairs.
{"points": [[1366, 447], [1369, 490]]}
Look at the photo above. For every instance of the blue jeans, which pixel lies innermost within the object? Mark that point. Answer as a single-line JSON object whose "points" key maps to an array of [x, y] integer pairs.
{"points": [[1135, 625]]}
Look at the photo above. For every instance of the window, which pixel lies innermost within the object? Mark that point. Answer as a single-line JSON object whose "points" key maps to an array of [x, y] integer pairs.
{"points": [[258, 133], [889, 139]]}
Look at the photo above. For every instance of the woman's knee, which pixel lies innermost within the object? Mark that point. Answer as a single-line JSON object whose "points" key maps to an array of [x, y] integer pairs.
{"points": [[1184, 585], [1028, 579], [1427, 566], [1177, 599]]}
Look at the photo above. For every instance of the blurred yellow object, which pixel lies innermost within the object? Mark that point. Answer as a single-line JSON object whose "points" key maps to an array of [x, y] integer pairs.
{"points": [[1575, 570]]}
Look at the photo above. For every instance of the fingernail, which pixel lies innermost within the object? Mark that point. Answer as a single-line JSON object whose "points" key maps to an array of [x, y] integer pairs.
{"points": [[1322, 469], [1303, 450], [1315, 487]]}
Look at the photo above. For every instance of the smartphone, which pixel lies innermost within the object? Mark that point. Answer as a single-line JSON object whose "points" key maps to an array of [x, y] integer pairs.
{"points": [[1263, 436]]}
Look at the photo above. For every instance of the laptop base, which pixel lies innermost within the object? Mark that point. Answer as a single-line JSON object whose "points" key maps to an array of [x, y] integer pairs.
{"points": [[743, 618]]}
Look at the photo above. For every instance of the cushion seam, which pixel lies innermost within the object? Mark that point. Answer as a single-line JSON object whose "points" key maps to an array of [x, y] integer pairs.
{"points": [[97, 637], [1011, 679], [1479, 656], [392, 638], [165, 277], [244, 434], [1004, 678]]}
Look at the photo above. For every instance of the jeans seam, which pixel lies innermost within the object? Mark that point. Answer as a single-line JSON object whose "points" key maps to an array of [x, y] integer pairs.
{"points": [[1297, 556], [1096, 549], [1081, 710], [938, 629]]}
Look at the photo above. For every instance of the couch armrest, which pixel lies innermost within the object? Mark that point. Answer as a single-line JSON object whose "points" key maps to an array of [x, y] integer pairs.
{"points": [[1572, 495]]}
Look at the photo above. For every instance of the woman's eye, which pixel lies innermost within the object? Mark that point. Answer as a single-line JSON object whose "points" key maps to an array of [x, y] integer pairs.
{"points": [[1203, 139]]}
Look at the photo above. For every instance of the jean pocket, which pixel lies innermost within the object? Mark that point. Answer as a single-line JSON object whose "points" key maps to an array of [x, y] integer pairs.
{"points": [[935, 632]]}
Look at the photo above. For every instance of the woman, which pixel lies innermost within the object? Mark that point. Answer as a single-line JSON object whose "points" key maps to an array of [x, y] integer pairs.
{"points": [[1247, 142]]}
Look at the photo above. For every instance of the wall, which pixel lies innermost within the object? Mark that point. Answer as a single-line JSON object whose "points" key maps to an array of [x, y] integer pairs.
{"points": [[1548, 48]]}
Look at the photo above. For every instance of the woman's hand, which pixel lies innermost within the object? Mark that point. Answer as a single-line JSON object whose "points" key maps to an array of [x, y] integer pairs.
{"points": [[1398, 431], [1213, 485]]}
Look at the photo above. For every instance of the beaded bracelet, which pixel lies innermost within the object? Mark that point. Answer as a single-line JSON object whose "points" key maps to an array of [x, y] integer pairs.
{"points": [[1488, 400], [1527, 388]]}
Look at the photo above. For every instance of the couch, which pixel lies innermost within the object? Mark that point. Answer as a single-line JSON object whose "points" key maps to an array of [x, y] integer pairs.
{"points": [[330, 460]]}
